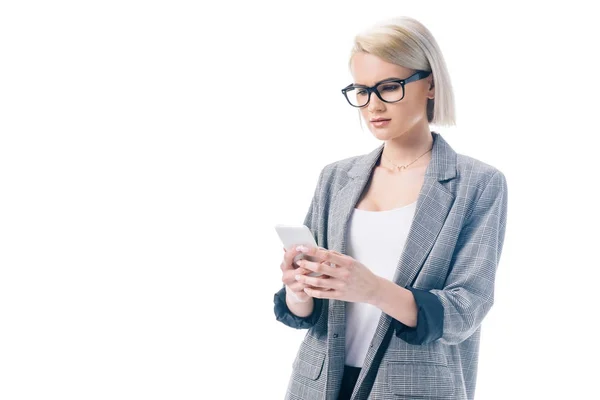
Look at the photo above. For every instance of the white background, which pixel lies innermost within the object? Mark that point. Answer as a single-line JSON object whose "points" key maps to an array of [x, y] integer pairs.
{"points": [[148, 148]]}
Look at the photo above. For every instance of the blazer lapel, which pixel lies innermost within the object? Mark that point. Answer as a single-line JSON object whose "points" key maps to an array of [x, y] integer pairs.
{"points": [[342, 205], [432, 209], [433, 204]]}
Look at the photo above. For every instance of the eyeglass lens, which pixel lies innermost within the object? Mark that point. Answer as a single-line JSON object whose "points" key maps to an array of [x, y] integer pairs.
{"points": [[389, 91]]}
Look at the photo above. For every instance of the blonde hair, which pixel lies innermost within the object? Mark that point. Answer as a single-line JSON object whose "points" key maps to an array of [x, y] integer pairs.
{"points": [[406, 42]]}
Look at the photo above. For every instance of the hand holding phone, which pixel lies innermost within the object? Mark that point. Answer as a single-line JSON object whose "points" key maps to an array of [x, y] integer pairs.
{"points": [[295, 235]]}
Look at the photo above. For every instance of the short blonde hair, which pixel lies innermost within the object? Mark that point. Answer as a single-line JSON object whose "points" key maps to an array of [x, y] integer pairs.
{"points": [[406, 42]]}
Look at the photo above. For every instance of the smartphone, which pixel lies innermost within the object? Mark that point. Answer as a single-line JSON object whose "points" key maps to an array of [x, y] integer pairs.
{"points": [[295, 235]]}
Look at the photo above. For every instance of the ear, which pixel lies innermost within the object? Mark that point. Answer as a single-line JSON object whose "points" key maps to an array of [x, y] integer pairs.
{"points": [[431, 91]]}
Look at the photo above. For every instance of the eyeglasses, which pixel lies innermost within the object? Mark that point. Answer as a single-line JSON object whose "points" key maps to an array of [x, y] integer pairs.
{"points": [[389, 90]]}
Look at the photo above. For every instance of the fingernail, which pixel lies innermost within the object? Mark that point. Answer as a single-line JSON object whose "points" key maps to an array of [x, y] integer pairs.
{"points": [[297, 277], [302, 249]]}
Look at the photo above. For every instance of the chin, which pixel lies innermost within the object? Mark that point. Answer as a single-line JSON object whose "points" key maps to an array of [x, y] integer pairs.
{"points": [[384, 133], [381, 136]]}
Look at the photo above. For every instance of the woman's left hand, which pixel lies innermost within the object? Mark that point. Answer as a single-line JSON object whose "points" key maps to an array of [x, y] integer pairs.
{"points": [[349, 280]]}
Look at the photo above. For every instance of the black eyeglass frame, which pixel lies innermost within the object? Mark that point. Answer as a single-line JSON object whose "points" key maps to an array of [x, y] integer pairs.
{"points": [[373, 89]]}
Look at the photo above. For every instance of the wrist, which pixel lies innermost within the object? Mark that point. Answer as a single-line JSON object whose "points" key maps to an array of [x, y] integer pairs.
{"points": [[377, 294], [293, 298]]}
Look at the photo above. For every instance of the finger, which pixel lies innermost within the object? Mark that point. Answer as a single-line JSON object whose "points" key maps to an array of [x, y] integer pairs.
{"points": [[297, 287], [287, 257], [329, 256], [286, 267], [289, 275], [321, 294], [289, 262], [318, 281], [291, 255], [322, 268]]}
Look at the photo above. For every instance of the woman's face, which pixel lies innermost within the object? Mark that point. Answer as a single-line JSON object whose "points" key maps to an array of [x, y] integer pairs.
{"points": [[404, 116]]}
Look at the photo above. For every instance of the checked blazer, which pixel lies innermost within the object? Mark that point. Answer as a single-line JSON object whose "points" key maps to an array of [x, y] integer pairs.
{"points": [[452, 250]]}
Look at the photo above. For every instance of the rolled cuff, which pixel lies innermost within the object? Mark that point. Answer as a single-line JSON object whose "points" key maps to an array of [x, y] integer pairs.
{"points": [[284, 315], [430, 319]]}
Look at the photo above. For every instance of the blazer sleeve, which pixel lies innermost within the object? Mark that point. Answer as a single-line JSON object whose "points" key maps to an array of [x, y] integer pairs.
{"points": [[430, 319], [282, 312], [469, 291], [453, 314]]}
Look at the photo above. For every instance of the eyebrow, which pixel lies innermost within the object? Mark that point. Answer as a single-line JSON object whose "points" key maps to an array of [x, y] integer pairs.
{"points": [[381, 81]]}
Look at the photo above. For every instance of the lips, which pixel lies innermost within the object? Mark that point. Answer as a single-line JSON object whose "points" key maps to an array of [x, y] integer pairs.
{"points": [[380, 122]]}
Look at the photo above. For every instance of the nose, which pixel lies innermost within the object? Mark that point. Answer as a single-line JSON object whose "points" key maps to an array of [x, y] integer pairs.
{"points": [[375, 103]]}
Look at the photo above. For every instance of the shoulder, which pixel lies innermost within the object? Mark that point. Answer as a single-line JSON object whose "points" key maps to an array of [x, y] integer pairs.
{"points": [[480, 187], [340, 171], [477, 174], [340, 168], [353, 166], [336, 174]]}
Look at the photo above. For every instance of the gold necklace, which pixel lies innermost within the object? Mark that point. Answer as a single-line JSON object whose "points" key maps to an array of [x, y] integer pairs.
{"points": [[401, 167]]}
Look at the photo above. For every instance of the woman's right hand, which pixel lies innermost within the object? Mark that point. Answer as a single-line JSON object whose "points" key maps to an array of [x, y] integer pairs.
{"points": [[289, 271]]}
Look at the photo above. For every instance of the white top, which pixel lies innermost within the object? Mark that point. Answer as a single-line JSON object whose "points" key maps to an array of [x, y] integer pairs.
{"points": [[376, 239]]}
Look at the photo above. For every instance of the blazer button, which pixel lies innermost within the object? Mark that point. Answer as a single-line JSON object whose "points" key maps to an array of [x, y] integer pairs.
{"points": [[335, 335]]}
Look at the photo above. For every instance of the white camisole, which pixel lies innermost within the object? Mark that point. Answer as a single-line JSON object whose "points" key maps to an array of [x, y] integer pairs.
{"points": [[376, 239]]}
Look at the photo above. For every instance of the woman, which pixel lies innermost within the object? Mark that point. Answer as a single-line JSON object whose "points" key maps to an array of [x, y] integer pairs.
{"points": [[409, 236]]}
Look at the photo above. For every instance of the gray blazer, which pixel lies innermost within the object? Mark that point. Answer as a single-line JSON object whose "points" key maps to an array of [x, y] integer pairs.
{"points": [[453, 249]]}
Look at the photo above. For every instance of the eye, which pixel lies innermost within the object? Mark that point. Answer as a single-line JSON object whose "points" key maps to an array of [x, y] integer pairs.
{"points": [[361, 92], [389, 87]]}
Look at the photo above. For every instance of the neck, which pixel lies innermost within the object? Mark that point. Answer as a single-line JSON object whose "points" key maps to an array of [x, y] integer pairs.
{"points": [[405, 148]]}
